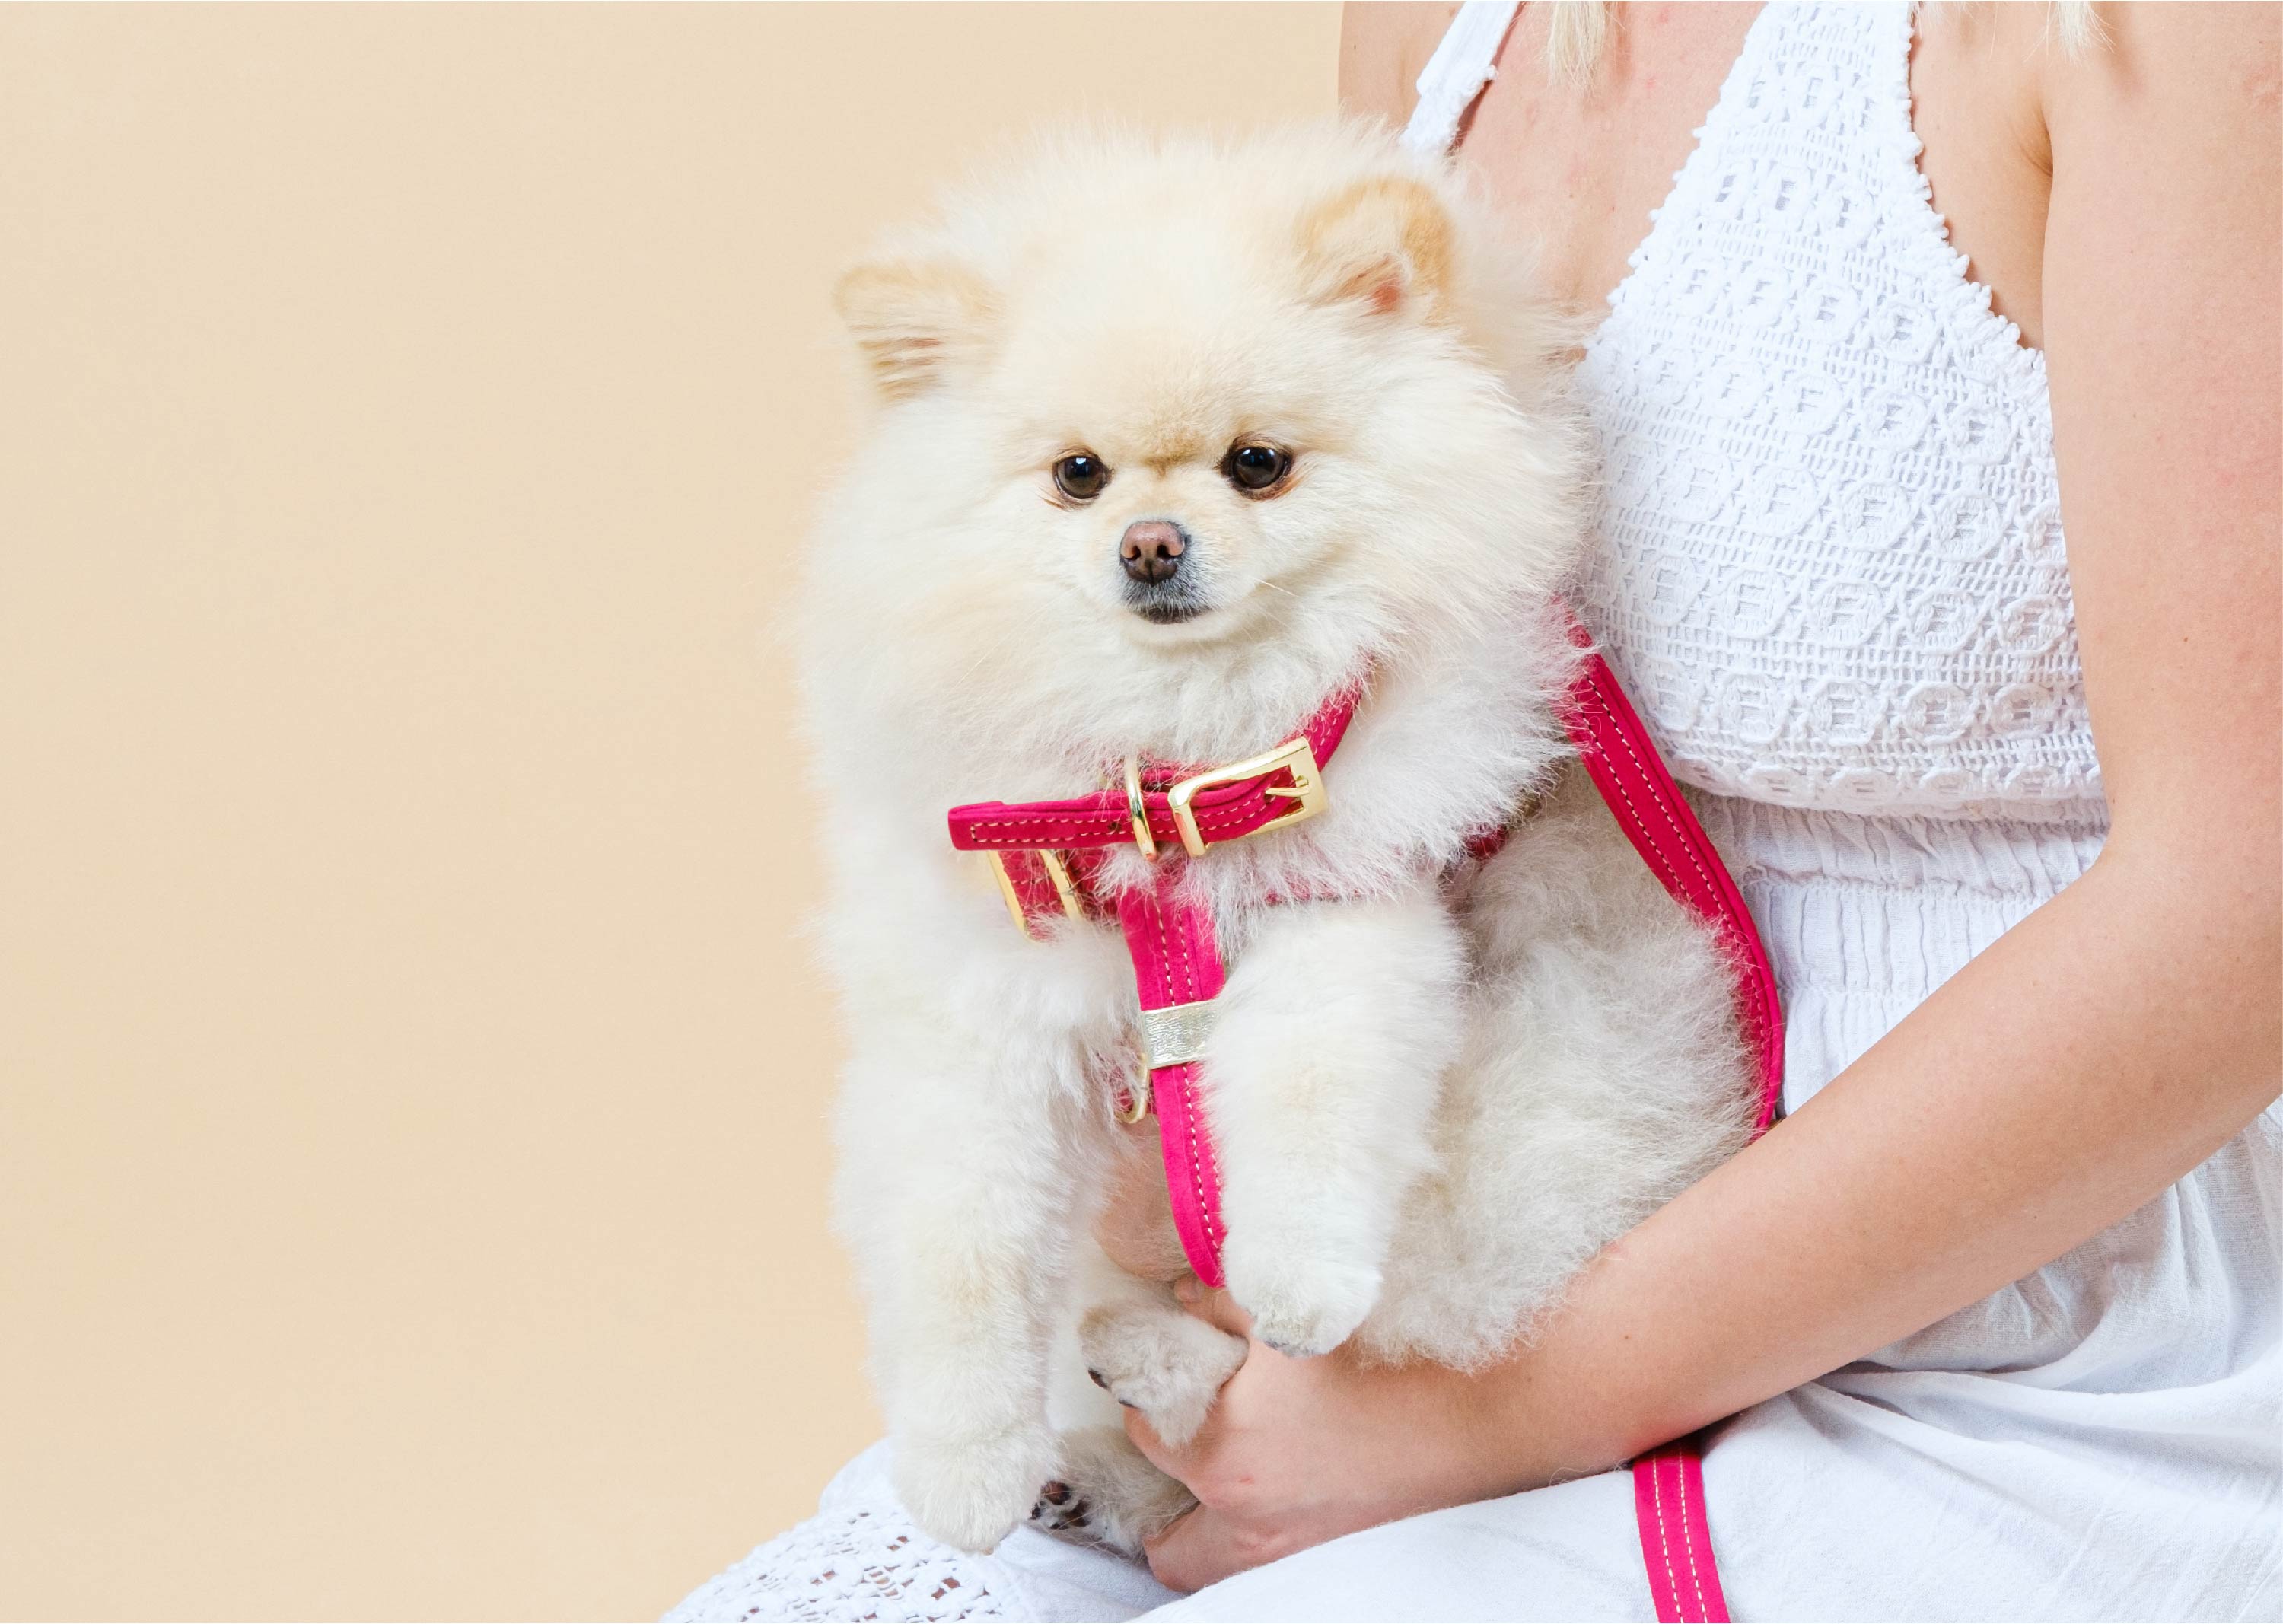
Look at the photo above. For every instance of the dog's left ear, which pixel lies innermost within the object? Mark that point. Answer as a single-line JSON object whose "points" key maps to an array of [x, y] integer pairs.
{"points": [[1385, 243], [914, 320]]}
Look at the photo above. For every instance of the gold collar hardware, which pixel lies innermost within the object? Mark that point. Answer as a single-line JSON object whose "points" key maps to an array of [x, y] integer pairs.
{"points": [[1137, 810], [1295, 756]]}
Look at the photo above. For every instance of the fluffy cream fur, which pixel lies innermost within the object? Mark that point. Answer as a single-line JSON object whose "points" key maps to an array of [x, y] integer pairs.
{"points": [[1433, 1098]]}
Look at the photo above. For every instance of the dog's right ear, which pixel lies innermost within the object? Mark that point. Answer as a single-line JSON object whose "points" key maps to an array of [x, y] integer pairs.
{"points": [[914, 320], [1384, 244]]}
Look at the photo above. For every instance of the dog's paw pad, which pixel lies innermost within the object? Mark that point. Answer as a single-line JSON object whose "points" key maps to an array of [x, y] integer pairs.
{"points": [[1105, 1494], [1062, 1510]]}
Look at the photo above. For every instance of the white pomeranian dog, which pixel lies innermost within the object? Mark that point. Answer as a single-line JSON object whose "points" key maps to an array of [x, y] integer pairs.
{"points": [[1172, 439]]}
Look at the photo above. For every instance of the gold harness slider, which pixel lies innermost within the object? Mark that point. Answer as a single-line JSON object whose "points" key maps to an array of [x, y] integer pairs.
{"points": [[1058, 874], [1137, 809]]}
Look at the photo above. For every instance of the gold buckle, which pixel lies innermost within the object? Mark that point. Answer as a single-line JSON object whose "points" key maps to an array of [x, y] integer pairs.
{"points": [[1058, 874], [1307, 794]]}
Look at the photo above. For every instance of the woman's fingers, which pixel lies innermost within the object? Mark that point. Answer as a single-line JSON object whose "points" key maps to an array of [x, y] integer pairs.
{"points": [[1213, 1306], [1179, 1464], [1179, 1555], [1216, 1308], [1202, 1547]]}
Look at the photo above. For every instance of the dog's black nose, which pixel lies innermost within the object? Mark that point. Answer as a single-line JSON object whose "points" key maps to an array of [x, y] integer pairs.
{"points": [[1152, 551]]}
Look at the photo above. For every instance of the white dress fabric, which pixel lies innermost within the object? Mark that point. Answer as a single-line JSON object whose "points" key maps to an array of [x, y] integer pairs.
{"points": [[1830, 572]]}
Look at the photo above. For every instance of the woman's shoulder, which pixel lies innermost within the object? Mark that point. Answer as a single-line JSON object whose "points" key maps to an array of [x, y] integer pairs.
{"points": [[1384, 44]]}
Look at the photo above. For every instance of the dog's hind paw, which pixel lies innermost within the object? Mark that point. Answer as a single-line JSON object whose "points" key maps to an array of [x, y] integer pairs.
{"points": [[1105, 1494]]}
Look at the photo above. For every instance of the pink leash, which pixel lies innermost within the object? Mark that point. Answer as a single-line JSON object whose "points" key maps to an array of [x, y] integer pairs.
{"points": [[1048, 855]]}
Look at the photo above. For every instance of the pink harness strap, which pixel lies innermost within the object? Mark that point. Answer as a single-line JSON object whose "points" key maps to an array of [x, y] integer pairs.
{"points": [[1650, 807], [1669, 1502], [1676, 1540], [1169, 936], [1177, 960], [1225, 812]]}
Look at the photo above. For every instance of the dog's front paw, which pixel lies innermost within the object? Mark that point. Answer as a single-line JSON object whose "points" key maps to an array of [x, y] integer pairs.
{"points": [[970, 1492], [1153, 1358], [1300, 1305]]}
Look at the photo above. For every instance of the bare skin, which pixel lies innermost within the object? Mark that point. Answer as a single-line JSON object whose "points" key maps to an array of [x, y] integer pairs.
{"points": [[2125, 206]]}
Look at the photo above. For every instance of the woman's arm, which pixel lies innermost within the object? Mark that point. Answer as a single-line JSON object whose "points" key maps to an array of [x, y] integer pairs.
{"points": [[2089, 1058]]}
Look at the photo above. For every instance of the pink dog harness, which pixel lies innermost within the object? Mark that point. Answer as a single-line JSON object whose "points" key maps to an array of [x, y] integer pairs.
{"points": [[1049, 855]]}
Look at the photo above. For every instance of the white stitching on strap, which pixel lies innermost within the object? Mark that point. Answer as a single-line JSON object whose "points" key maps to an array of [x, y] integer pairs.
{"points": [[1625, 737], [1189, 1107], [1663, 1543], [1688, 1539], [1654, 854]]}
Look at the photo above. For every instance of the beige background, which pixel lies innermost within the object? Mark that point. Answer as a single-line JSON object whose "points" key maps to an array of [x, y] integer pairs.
{"points": [[411, 1148]]}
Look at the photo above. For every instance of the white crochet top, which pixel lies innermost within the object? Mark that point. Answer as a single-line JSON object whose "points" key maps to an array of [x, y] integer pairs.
{"points": [[1829, 566]]}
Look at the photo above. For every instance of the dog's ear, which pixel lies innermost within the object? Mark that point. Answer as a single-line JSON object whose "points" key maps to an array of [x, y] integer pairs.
{"points": [[1385, 243], [914, 320]]}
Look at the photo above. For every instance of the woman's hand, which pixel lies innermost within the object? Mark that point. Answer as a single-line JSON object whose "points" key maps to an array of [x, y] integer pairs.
{"points": [[1299, 1451]]}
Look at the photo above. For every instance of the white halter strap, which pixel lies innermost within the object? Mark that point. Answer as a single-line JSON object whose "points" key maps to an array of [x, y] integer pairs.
{"points": [[1463, 63]]}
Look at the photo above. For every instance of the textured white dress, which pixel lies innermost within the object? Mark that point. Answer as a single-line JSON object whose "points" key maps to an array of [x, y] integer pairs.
{"points": [[1831, 572]]}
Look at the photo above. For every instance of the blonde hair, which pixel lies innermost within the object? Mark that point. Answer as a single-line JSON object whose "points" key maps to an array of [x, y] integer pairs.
{"points": [[1580, 32]]}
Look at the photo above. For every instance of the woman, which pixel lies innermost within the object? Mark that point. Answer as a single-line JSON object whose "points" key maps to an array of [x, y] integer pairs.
{"points": [[2006, 807]]}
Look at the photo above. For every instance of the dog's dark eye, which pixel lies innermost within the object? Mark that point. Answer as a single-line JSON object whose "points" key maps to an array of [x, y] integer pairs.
{"points": [[1080, 476], [1255, 469]]}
